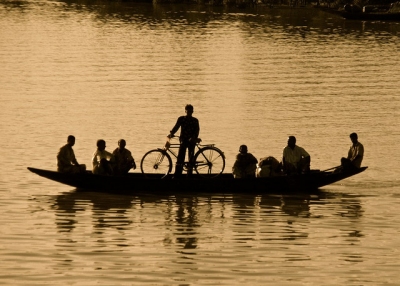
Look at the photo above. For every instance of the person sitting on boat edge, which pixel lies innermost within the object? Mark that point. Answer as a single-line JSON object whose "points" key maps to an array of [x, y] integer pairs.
{"points": [[123, 159], [190, 129], [355, 154], [295, 159], [66, 160], [102, 160], [245, 164], [268, 167]]}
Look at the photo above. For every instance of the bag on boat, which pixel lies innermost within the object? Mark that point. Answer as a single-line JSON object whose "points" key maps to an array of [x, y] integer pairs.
{"points": [[267, 167]]}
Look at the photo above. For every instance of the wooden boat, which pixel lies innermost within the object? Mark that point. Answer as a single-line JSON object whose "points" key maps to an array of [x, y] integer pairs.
{"points": [[137, 183], [371, 16], [367, 13]]}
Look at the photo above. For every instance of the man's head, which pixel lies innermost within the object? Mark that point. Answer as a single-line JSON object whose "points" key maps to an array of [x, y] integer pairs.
{"points": [[243, 149], [354, 137], [121, 143], [101, 144], [291, 141], [189, 109], [71, 140]]}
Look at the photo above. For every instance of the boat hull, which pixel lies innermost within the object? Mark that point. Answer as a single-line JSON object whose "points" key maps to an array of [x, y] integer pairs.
{"points": [[371, 16], [133, 183]]}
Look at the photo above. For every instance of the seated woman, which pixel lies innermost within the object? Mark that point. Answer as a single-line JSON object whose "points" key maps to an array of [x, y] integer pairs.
{"points": [[268, 167], [245, 164]]}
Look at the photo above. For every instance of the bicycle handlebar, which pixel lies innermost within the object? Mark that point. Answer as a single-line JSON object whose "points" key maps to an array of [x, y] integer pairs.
{"points": [[169, 136]]}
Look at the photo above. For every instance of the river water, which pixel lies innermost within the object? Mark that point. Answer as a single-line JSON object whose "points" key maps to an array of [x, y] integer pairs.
{"points": [[254, 77]]}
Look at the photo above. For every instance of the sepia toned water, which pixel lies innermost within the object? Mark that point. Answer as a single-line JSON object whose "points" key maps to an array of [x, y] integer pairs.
{"points": [[254, 76]]}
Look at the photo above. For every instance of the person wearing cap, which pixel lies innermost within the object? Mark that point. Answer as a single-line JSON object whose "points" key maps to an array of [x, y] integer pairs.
{"points": [[123, 159], [190, 129], [66, 161], [355, 154], [102, 160], [245, 165], [295, 159]]}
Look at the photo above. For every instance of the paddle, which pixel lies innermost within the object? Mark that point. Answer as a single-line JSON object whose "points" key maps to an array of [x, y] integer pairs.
{"points": [[331, 168]]}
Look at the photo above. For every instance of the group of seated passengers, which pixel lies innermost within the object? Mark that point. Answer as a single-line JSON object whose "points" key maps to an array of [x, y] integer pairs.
{"points": [[119, 162], [295, 160]]}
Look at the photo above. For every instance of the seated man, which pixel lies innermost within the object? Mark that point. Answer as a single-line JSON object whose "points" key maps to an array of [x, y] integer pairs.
{"points": [[102, 160], [295, 159], [66, 161], [245, 164], [268, 167], [355, 154], [123, 159]]}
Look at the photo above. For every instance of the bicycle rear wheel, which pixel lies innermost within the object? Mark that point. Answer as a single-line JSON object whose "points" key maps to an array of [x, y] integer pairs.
{"points": [[209, 162], [156, 162]]}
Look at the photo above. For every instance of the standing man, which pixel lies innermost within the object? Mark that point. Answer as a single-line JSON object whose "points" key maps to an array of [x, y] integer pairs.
{"points": [[295, 158], [66, 161], [190, 129], [355, 154]]}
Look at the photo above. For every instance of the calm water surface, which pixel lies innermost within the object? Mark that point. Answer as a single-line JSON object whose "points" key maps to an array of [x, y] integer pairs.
{"points": [[254, 77]]}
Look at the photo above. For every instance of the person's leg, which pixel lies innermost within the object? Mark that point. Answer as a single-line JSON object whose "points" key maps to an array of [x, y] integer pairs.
{"points": [[105, 167], [304, 166], [289, 168], [191, 148], [347, 164], [180, 160]]}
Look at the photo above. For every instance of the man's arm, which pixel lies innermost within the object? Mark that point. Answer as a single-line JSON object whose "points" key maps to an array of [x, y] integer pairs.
{"points": [[175, 128], [359, 152], [73, 158]]}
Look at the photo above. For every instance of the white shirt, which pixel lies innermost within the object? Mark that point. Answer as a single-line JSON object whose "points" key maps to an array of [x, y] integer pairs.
{"points": [[293, 156], [98, 155], [354, 151]]}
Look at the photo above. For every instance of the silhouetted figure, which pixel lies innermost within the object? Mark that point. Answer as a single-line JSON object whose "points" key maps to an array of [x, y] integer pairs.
{"points": [[190, 129], [355, 154], [295, 159], [66, 161], [102, 160], [123, 159], [245, 164]]}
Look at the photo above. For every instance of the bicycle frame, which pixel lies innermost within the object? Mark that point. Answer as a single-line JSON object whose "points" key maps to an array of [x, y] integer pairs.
{"points": [[208, 160], [168, 146]]}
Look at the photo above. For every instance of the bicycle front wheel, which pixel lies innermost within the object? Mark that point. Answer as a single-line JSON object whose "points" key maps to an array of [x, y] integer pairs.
{"points": [[156, 162], [209, 162]]}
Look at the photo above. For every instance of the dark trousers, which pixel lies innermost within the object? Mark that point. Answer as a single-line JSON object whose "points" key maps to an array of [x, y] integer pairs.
{"points": [[347, 164], [181, 157]]}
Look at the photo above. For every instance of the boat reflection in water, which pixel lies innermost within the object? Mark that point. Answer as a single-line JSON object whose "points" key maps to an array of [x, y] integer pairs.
{"points": [[186, 222]]}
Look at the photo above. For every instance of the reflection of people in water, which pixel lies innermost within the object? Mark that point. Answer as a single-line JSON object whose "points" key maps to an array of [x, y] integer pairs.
{"points": [[186, 217], [296, 206], [67, 205], [66, 161]]}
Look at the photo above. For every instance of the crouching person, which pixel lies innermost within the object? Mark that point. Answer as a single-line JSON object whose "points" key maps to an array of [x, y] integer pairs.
{"points": [[66, 161], [123, 159], [102, 160], [268, 167], [245, 164]]}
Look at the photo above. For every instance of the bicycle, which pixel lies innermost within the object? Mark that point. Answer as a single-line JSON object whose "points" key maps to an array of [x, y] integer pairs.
{"points": [[209, 161]]}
